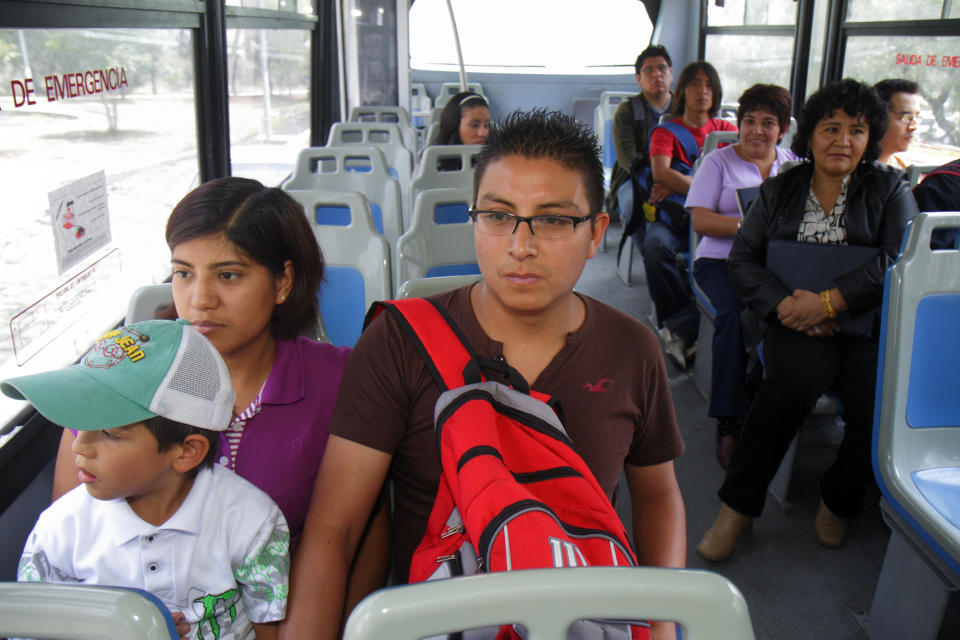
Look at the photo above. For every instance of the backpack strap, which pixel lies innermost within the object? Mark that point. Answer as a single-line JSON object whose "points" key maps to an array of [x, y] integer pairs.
{"points": [[641, 129], [687, 142], [437, 339], [445, 350]]}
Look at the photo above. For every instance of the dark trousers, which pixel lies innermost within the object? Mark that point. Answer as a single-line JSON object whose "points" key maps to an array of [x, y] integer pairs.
{"points": [[797, 370], [669, 287], [728, 369]]}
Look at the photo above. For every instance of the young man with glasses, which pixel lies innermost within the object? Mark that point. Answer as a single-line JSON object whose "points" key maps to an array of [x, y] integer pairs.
{"points": [[538, 191], [903, 103], [636, 117]]}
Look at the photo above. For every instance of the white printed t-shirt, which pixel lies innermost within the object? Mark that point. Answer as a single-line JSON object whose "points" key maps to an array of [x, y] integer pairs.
{"points": [[222, 559]]}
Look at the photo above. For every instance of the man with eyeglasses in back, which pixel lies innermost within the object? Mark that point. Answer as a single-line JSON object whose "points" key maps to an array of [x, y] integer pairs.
{"points": [[537, 219], [902, 98], [636, 117]]}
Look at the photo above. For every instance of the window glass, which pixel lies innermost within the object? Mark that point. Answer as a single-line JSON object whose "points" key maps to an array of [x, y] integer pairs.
{"points": [[743, 61], [815, 67], [931, 61], [883, 10], [299, 6], [268, 75], [373, 26], [74, 103], [751, 12], [541, 36]]}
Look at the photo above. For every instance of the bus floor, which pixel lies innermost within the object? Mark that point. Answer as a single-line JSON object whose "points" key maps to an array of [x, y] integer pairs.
{"points": [[794, 587]]}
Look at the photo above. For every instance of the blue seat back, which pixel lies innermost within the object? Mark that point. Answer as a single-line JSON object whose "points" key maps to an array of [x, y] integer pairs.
{"points": [[443, 167], [916, 435], [603, 123], [357, 260], [440, 239], [360, 168]]}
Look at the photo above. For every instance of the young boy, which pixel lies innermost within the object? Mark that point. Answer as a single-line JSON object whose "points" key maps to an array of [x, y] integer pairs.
{"points": [[152, 511]]}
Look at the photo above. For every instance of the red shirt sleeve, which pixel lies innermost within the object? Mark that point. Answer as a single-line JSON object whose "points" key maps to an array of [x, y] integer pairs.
{"points": [[661, 143]]}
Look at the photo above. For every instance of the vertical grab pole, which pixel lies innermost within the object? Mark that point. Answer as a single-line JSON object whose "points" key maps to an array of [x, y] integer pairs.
{"points": [[456, 41]]}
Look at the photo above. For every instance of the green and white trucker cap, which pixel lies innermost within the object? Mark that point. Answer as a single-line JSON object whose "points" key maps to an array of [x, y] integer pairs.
{"points": [[158, 367]]}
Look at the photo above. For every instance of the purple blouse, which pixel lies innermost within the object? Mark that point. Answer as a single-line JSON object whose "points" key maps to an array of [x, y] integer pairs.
{"points": [[715, 185], [281, 446]]}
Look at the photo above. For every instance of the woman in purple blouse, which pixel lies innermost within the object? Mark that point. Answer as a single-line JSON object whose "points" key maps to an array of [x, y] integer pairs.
{"points": [[763, 118]]}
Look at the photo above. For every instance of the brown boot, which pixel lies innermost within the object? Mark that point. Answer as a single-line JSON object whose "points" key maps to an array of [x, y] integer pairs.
{"points": [[830, 528], [718, 542]]}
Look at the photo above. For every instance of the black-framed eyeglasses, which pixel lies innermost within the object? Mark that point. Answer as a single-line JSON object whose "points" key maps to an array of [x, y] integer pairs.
{"points": [[554, 227], [652, 69], [906, 117]]}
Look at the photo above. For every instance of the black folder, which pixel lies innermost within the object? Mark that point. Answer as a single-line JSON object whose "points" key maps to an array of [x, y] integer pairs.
{"points": [[813, 267], [746, 196]]}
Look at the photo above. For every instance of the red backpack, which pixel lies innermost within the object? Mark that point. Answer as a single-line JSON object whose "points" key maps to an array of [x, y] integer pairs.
{"points": [[513, 494]]}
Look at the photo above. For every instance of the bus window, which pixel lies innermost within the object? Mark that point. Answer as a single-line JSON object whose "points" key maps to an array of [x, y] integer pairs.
{"points": [[743, 61], [74, 103], [930, 61], [543, 36], [884, 10], [268, 74], [741, 12], [763, 54]]}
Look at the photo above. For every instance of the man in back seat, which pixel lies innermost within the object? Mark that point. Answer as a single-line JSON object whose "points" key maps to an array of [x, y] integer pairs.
{"points": [[634, 120], [540, 171]]}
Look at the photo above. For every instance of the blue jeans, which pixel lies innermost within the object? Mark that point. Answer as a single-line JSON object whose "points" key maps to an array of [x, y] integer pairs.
{"points": [[669, 287], [728, 369]]}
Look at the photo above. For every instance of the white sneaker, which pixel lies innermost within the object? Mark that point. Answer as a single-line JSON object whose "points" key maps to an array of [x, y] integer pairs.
{"points": [[673, 347]]}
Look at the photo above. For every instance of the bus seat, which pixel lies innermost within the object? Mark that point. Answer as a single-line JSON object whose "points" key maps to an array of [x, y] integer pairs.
{"points": [[444, 166], [386, 137], [82, 612], [432, 132], [603, 127], [703, 364], [358, 168], [391, 115], [439, 241], [916, 434], [357, 257], [713, 140], [547, 601], [394, 114], [788, 136], [426, 287], [420, 102], [450, 89], [916, 172], [146, 302], [728, 111], [625, 259]]}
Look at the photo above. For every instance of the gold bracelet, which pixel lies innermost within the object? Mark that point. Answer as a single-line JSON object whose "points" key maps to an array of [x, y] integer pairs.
{"points": [[825, 296]]}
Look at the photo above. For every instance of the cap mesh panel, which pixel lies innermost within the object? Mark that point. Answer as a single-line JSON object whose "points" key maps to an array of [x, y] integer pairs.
{"points": [[196, 373]]}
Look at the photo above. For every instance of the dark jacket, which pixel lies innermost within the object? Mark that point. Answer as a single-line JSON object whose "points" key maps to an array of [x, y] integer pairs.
{"points": [[879, 204], [631, 144]]}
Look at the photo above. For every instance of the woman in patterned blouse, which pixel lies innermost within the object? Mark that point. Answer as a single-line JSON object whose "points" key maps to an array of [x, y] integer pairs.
{"points": [[837, 196]]}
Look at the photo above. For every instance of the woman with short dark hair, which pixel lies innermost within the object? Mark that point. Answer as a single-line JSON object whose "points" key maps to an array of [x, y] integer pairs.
{"points": [[763, 118], [837, 196]]}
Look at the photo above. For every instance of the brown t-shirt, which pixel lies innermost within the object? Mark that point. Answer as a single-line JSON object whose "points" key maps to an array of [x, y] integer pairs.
{"points": [[609, 377]]}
